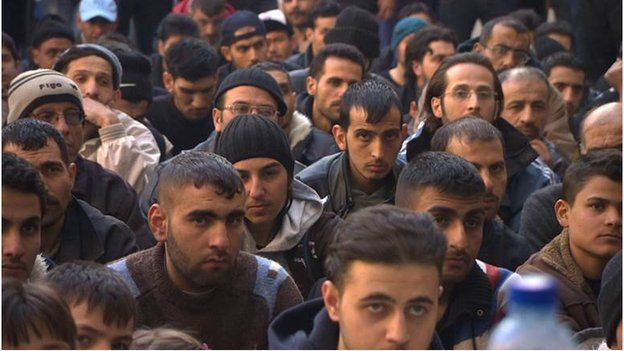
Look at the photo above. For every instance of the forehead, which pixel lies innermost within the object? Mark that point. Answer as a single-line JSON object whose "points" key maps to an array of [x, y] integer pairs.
{"points": [[21, 204], [502, 34], [202, 83], [56, 42], [324, 22], [533, 87], [277, 34], [400, 282], [441, 46], [256, 163], [564, 73], [249, 41], [90, 64], [55, 106], [93, 317], [249, 95], [189, 198], [50, 152], [340, 67], [469, 74], [477, 151], [357, 120], [429, 197], [600, 187]]}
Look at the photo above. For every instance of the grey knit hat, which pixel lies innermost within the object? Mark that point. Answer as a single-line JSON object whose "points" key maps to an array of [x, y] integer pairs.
{"points": [[32, 89], [84, 50]]}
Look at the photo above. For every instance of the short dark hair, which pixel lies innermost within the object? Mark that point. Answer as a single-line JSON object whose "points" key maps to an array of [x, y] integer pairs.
{"points": [[208, 7], [417, 7], [557, 27], [19, 175], [373, 96], [322, 9], [96, 285], [563, 59], [31, 134], [9, 43], [34, 308], [388, 235], [438, 83], [468, 128], [528, 17], [606, 163], [177, 24], [418, 47], [443, 171], [340, 50], [116, 41], [270, 66], [191, 59], [505, 21], [199, 169]]}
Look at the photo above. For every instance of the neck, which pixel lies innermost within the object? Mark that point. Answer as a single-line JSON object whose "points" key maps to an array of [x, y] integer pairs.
{"points": [[263, 233], [420, 82], [320, 121], [50, 236], [591, 266], [300, 38], [398, 74], [445, 299]]}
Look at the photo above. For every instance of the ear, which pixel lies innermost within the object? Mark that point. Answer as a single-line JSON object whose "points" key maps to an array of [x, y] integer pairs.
{"points": [[311, 85], [34, 53], [157, 220], [478, 48], [217, 119], [71, 169], [168, 81], [436, 107], [417, 68], [340, 136], [309, 32], [403, 131], [413, 110], [331, 298], [116, 97], [227, 54], [160, 47], [562, 210]]}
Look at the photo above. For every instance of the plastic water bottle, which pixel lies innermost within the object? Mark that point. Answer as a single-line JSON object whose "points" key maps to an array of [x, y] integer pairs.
{"points": [[531, 322]]}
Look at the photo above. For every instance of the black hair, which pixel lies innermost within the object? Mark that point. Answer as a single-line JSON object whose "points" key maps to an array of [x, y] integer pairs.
{"points": [[468, 128], [322, 9], [176, 24], [208, 7], [388, 235], [19, 175], [375, 97], [418, 47], [31, 134], [505, 21], [557, 27], [9, 43], [564, 59], [606, 163], [528, 17], [96, 285], [445, 172], [191, 59], [116, 41], [417, 7], [199, 169], [272, 65], [340, 50]]}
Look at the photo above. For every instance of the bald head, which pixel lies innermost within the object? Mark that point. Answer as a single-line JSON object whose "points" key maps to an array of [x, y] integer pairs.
{"points": [[602, 128]]}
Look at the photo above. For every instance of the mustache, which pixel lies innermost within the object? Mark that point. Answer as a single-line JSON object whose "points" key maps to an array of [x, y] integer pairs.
{"points": [[458, 254]]}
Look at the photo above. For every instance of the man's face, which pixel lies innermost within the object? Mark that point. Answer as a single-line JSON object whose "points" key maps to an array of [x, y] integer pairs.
{"points": [[372, 148], [297, 11], [571, 86], [203, 232], [383, 306], [93, 29], [56, 175], [337, 75], [247, 52], [10, 70], [72, 133], [21, 233], [289, 97], [192, 98], [164, 45], [266, 183], [209, 26], [506, 48], [461, 219], [594, 220], [246, 96], [316, 35], [48, 52], [526, 106], [94, 334], [489, 159], [465, 82], [438, 50], [94, 76], [280, 45]]}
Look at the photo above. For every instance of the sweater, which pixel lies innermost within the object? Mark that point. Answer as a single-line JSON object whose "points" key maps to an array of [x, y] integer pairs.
{"points": [[235, 315]]}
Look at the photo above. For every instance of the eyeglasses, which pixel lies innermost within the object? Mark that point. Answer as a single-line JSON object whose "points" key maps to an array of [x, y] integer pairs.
{"points": [[72, 117], [500, 50], [244, 109], [466, 94]]}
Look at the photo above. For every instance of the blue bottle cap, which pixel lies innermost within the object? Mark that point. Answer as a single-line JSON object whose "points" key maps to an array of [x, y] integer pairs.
{"points": [[534, 290]]}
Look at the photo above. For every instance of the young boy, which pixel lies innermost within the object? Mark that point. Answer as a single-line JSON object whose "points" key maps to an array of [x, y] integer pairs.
{"points": [[34, 317], [590, 213], [100, 303]]}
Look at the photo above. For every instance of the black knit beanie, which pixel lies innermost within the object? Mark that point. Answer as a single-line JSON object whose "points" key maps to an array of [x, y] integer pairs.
{"points": [[356, 27], [252, 136], [610, 298], [51, 27]]}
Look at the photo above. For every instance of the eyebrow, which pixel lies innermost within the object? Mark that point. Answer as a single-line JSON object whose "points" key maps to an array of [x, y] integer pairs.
{"points": [[89, 329], [384, 297], [442, 209], [270, 165], [51, 163]]}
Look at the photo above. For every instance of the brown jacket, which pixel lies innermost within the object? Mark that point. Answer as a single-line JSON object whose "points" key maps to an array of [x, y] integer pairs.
{"points": [[578, 303]]}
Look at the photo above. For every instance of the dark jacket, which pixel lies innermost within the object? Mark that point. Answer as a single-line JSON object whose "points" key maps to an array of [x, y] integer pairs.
{"points": [[330, 177], [301, 60], [578, 302], [539, 223], [308, 143], [89, 235], [157, 70], [113, 196], [503, 247], [308, 327]]}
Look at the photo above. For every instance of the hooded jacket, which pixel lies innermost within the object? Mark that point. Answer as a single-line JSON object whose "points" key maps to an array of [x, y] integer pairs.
{"points": [[303, 238], [578, 301], [308, 143], [308, 327]]}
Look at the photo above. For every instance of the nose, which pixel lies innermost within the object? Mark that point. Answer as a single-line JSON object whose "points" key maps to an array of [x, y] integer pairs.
{"points": [[61, 126], [567, 95], [219, 238], [200, 101], [12, 245], [90, 89], [377, 149], [456, 235], [487, 180], [397, 332], [256, 188], [473, 103], [526, 115], [614, 216]]}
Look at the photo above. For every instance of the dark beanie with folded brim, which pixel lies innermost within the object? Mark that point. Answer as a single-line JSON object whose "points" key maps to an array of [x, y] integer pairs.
{"points": [[610, 298], [356, 27], [253, 136]]}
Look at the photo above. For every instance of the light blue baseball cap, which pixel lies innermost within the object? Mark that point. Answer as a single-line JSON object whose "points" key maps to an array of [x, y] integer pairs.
{"points": [[89, 9]]}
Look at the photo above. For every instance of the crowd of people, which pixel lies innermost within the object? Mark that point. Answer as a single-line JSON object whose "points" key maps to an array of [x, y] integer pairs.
{"points": [[308, 174]]}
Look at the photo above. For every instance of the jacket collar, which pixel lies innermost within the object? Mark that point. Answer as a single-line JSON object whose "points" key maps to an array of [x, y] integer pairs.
{"points": [[77, 238]]}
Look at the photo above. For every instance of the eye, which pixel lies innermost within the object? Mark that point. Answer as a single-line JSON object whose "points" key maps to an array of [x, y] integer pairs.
{"points": [[29, 228], [120, 346], [597, 206], [235, 220], [84, 341], [200, 221], [375, 308], [461, 94], [441, 220], [417, 311], [363, 136], [497, 168], [79, 78], [473, 222]]}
